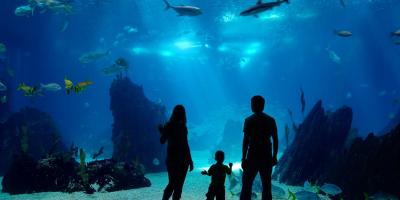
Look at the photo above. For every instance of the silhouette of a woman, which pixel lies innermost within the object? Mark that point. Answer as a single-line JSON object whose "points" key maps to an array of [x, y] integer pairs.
{"points": [[179, 159]]}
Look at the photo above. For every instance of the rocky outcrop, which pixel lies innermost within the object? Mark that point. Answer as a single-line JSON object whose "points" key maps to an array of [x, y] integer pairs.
{"points": [[393, 123], [60, 172], [316, 146], [325, 151], [135, 135], [369, 166], [29, 131]]}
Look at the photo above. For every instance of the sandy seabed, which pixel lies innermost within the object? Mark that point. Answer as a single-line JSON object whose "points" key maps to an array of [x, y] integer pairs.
{"points": [[195, 188]]}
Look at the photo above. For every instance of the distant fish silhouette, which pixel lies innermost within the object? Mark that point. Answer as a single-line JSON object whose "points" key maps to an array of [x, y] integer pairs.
{"points": [[302, 100], [98, 153], [343, 3]]}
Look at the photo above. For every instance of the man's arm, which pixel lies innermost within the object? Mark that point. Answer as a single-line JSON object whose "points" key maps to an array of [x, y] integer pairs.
{"points": [[275, 140], [245, 146]]}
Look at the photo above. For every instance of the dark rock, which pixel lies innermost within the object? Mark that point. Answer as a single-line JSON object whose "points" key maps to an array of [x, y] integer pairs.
{"points": [[29, 131], [60, 172], [370, 165], [320, 139], [135, 135], [393, 123], [321, 153]]}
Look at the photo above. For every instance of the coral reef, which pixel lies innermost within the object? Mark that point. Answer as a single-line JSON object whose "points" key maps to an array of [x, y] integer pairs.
{"points": [[29, 131], [135, 135], [60, 172], [326, 151]]}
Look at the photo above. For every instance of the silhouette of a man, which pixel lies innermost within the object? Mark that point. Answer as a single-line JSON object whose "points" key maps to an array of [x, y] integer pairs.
{"points": [[257, 155]]}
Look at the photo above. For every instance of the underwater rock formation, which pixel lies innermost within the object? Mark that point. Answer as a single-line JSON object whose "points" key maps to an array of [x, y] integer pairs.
{"points": [[231, 138], [393, 123], [369, 166], [31, 132], [326, 151], [317, 144], [135, 135], [60, 172]]}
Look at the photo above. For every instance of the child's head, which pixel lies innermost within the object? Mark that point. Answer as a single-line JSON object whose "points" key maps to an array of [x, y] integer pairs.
{"points": [[219, 156]]}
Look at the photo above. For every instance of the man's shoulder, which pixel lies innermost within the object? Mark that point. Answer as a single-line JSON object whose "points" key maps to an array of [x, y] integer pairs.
{"points": [[258, 116]]}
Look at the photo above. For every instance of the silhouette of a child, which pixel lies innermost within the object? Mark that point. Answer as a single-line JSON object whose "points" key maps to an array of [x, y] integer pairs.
{"points": [[218, 172]]}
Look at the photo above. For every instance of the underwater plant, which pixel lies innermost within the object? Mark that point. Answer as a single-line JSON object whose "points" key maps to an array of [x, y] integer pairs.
{"points": [[366, 196], [291, 196], [82, 167]]}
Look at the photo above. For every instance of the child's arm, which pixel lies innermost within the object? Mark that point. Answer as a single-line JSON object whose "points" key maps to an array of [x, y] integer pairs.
{"points": [[229, 171], [204, 172]]}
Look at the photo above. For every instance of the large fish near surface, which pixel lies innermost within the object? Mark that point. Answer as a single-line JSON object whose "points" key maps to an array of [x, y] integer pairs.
{"points": [[184, 10], [261, 7], [24, 11]]}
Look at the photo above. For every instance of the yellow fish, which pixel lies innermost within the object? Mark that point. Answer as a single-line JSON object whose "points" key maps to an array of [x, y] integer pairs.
{"points": [[68, 85], [28, 90]]}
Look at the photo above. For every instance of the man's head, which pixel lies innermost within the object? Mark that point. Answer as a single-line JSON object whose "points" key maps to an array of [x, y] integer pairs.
{"points": [[219, 156], [257, 104]]}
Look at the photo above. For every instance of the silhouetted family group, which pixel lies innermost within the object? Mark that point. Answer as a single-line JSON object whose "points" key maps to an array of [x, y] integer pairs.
{"points": [[257, 155]]}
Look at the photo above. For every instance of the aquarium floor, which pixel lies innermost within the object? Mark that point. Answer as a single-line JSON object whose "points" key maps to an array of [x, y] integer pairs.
{"points": [[194, 189]]}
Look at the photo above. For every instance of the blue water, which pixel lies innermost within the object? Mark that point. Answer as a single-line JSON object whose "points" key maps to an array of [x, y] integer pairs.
{"points": [[211, 63]]}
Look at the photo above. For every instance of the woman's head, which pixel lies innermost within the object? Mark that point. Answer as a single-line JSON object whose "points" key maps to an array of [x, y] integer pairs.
{"points": [[178, 114]]}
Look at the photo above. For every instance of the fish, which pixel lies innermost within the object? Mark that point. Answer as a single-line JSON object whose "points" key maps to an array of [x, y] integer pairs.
{"points": [[333, 56], [184, 10], [343, 3], [93, 56], [122, 62], [331, 189], [262, 7], [82, 86], [98, 153], [3, 99], [396, 33], [3, 87], [302, 101], [29, 91], [349, 95], [68, 85], [343, 33], [22, 11], [114, 69], [53, 87], [65, 26], [3, 48], [156, 162], [382, 93], [287, 132]]}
